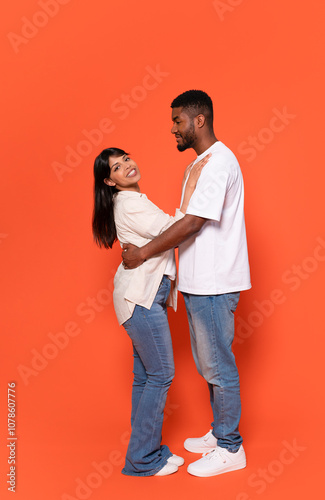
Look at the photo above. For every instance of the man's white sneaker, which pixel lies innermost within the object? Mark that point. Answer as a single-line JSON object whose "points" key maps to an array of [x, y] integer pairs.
{"points": [[202, 444], [167, 469], [176, 460], [217, 462]]}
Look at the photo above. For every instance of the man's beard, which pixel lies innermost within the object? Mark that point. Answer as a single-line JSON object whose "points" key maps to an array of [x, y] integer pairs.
{"points": [[188, 139]]}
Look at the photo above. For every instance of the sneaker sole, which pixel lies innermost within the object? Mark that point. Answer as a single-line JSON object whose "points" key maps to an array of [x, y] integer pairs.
{"points": [[212, 473]]}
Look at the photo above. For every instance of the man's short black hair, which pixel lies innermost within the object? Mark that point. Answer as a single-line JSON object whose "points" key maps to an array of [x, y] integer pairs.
{"points": [[196, 102]]}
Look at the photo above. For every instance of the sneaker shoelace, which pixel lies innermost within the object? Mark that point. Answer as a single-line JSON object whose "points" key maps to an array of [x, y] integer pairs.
{"points": [[216, 453]]}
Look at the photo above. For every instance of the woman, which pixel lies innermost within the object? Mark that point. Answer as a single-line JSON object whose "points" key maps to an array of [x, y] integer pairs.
{"points": [[140, 296]]}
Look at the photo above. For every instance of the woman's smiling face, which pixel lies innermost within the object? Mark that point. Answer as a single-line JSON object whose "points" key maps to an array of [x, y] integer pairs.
{"points": [[124, 173]]}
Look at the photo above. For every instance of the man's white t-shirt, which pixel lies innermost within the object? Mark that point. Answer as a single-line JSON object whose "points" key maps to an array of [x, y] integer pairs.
{"points": [[215, 260]]}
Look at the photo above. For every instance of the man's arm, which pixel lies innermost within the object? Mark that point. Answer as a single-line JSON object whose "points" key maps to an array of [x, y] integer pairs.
{"points": [[175, 235]]}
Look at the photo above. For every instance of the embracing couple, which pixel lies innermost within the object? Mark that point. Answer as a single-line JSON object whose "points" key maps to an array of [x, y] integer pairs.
{"points": [[209, 229]]}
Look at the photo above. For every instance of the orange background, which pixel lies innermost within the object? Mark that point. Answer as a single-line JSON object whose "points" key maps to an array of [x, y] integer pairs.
{"points": [[63, 75]]}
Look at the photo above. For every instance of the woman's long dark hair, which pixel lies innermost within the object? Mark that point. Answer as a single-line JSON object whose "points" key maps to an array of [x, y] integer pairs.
{"points": [[104, 230]]}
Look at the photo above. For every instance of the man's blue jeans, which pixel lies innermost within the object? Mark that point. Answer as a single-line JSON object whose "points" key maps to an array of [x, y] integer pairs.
{"points": [[153, 374], [211, 321]]}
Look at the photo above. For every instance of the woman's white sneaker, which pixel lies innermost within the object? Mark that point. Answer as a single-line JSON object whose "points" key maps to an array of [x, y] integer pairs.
{"points": [[176, 460], [217, 462], [167, 469], [202, 444]]}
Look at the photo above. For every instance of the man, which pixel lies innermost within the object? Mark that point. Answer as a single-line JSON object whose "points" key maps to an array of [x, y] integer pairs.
{"points": [[213, 269]]}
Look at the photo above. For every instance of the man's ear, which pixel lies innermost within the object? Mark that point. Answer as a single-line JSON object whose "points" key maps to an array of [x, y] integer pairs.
{"points": [[109, 182], [200, 120]]}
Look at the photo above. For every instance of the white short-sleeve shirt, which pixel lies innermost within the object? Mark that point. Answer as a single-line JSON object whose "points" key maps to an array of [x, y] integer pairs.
{"points": [[215, 260]]}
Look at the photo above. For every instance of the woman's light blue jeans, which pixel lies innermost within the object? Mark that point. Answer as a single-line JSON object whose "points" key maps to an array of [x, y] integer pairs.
{"points": [[211, 321], [153, 374]]}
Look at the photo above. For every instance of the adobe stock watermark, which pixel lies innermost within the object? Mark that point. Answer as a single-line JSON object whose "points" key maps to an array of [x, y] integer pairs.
{"points": [[31, 27], [225, 7], [293, 279], [254, 144], [57, 342], [263, 477], [3, 236], [121, 109], [100, 471], [214, 188]]}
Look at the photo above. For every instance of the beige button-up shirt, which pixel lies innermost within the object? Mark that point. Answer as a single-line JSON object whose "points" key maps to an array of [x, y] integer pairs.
{"points": [[138, 221]]}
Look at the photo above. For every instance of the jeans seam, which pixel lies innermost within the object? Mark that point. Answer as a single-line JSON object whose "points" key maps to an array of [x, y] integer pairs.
{"points": [[212, 320], [217, 328], [142, 317], [164, 372]]}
